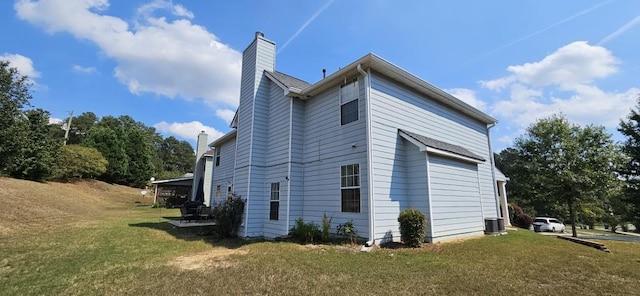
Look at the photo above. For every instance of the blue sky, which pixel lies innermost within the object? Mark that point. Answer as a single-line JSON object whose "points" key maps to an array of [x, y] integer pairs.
{"points": [[175, 65]]}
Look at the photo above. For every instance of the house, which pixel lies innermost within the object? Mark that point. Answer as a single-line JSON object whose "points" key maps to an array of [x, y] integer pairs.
{"points": [[360, 145]]}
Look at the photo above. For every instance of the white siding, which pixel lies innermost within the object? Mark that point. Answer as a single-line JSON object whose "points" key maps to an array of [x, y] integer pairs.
{"points": [[297, 158], [253, 116], [276, 159], [395, 107], [327, 146], [223, 174], [455, 198]]}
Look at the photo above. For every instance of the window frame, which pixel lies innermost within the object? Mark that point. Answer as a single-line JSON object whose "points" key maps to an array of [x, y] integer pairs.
{"points": [[217, 156], [353, 100], [218, 191], [355, 186], [274, 202]]}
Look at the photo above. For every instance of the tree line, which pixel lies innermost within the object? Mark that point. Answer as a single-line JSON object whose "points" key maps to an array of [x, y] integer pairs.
{"points": [[576, 173], [113, 149]]}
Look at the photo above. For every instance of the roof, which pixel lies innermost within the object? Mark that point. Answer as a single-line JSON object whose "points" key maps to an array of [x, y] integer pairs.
{"points": [[289, 81], [177, 181], [209, 152], [227, 136], [372, 61], [443, 146]]}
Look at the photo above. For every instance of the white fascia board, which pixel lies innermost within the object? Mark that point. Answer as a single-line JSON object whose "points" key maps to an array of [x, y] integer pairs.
{"points": [[225, 137], [452, 155], [381, 65]]}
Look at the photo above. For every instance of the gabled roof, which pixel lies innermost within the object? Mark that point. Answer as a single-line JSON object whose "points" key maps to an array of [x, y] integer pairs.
{"points": [[225, 137], [380, 65], [440, 146], [289, 83]]}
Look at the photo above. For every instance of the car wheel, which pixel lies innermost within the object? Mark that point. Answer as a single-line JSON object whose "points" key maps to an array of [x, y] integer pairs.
{"points": [[553, 229]]}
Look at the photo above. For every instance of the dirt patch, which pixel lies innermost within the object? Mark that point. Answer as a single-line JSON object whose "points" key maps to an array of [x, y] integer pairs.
{"points": [[216, 258]]}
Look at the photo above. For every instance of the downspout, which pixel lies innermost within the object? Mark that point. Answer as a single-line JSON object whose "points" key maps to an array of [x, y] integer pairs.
{"points": [[367, 98], [289, 173], [493, 169]]}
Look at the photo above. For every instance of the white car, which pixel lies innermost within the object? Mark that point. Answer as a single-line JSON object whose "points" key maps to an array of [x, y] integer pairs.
{"points": [[548, 224]]}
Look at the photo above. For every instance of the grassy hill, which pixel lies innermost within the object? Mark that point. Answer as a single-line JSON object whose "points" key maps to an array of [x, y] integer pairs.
{"points": [[27, 205], [92, 238]]}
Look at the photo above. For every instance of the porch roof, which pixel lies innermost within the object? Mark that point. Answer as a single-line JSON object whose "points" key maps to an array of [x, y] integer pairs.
{"points": [[442, 146]]}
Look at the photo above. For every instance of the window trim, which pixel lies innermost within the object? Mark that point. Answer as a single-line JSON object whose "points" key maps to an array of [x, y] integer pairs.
{"points": [[218, 191], [356, 98], [274, 198], [217, 156], [359, 187]]}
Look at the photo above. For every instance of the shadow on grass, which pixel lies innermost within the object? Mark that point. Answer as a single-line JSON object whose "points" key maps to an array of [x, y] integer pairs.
{"points": [[196, 233]]}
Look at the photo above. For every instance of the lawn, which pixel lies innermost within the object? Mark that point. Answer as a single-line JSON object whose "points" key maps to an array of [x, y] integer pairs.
{"points": [[128, 248]]}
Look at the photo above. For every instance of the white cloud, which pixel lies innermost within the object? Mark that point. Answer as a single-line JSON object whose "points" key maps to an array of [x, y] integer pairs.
{"points": [[226, 114], [85, 70], [188, 130], [53, 120], [176, 59], [22, 63], [468, 96], [563, 82]]}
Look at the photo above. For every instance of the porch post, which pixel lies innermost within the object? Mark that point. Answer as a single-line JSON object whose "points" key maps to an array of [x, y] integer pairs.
{"points": [[502, 192]]}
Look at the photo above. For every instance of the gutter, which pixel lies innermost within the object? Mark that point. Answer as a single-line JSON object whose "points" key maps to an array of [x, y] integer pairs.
{"points": [[372, 216], [289, 173]]}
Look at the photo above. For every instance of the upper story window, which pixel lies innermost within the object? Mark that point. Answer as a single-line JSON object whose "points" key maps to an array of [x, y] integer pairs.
{"points": [[217, 156], [349, 102]]}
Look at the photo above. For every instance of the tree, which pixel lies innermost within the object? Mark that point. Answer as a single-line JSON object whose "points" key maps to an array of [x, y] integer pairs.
{"points": [[112, 147], [14, 95], [566, 164], [38, 151], [78, 162], [177, 157], [80, 126], [631, 171]]}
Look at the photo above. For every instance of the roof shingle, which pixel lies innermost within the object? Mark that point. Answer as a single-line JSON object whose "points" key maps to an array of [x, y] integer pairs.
{"points": [[433, 143], [290, 81]]}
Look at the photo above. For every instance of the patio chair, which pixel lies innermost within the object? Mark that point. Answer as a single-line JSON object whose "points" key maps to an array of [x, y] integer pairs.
{"points": [[203, 213], [185, 215]]}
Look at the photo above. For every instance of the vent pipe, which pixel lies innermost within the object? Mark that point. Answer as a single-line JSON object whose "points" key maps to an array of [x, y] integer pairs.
{"points": [[324, 73]]}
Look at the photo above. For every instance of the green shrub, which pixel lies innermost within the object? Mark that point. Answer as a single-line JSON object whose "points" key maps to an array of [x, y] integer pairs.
{"points": [[78, 162], [413, 227], [326, 227], [228, 216], [305, 232], [348, 229]]}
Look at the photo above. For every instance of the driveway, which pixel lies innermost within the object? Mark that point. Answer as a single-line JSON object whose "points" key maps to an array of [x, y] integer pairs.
{"points": [[634, 238]]}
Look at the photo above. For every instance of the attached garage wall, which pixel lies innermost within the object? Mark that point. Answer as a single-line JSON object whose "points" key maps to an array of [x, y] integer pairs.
{"points": [[455, 198]]}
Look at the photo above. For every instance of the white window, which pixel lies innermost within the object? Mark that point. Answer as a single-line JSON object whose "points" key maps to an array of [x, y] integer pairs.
{"points": [[218, 191], [217, 156], [274, 204], [350, 188], [349, 102]]}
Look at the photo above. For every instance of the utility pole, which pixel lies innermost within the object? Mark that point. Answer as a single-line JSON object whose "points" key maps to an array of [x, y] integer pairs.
{"points": [[66, 133]]}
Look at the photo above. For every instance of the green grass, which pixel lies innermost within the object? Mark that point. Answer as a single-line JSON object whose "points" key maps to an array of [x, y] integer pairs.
{"points": [[130, 250]]}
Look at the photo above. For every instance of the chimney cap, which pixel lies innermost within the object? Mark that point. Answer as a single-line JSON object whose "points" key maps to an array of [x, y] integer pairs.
{"points": [[259, 34]]}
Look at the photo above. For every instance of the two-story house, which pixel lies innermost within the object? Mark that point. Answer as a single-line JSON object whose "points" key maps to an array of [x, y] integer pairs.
{"points": [[361, 144]]}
